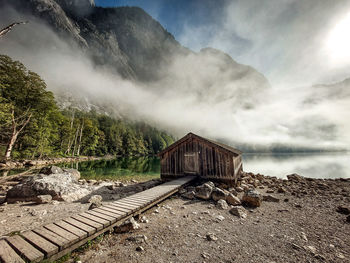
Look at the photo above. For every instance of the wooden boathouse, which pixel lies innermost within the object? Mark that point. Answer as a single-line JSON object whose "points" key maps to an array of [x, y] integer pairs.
{"points": [[195, 155]]}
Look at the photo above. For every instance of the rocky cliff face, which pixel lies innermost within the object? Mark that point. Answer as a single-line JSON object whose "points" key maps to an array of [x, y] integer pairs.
{"points": [[126, 39]]}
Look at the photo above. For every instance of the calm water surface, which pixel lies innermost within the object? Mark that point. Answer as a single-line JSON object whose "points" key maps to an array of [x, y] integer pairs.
{"points": [[325, 165], [329, 165], [119, 168]]}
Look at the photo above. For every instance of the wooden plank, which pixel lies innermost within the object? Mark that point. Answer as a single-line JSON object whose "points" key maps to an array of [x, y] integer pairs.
{"points": [[87, 228], [7, 254], [112, 210], [128, 211], [25, 249], [139, 199], [124, 206], [89, 222], [76, 231], [106, 212], [40, 243], [53, 237], [111, 219], [62, 232], [127, 204], [99, 220], [133, 202]]}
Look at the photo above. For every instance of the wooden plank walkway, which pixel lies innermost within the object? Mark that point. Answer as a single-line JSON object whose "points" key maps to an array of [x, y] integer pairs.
{"points": [[54, 240]]}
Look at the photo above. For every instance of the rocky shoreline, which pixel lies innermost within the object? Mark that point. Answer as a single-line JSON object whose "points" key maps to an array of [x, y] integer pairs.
{"points": [[265, 219], [8, 165], [309, 217]]}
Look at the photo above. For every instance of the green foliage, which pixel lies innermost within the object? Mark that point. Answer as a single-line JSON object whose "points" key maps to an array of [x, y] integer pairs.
{"points": [[68, 132]]}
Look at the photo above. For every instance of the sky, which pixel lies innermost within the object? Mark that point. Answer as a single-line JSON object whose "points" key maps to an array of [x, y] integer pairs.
{"points": [[292, 42]]}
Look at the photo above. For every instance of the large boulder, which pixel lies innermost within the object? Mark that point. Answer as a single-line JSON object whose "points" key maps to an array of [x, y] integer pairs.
{"points": [[73, 172], [252, 198], [204, 191], [62, 187], [219, 194]]}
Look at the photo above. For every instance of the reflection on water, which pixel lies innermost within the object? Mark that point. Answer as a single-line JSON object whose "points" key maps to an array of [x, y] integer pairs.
{"points": [[119, 167], [326, 165]]}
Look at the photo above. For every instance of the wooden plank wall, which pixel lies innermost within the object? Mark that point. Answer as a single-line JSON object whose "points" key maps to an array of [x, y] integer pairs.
{"points": [[213, 161]]}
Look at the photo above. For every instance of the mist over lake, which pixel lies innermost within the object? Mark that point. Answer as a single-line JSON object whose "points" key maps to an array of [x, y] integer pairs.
{"points": [[313, 165]]}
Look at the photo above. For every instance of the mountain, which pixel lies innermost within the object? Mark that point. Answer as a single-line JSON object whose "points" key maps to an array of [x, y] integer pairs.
{"points": [[123, 62], [126, 39]]}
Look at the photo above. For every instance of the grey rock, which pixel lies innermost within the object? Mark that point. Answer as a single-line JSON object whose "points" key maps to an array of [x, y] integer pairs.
{"points": [[95, 201], [189, 195], [144, 219], [204, 191], [221, 204], [75, 173], [140, 248], [252, 198], [233, 200], [239, 211], [211, 237], [218, 194], [233, 191], [219, 218], [239, 189], [62, 187]]}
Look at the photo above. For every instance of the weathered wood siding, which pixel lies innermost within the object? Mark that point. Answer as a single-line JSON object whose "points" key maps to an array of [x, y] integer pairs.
{"points": [[197, 157]]}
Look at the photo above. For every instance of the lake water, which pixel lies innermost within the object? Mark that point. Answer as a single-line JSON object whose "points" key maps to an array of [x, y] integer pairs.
{"points": [[329, 165], [325, 165], [119, 168]]}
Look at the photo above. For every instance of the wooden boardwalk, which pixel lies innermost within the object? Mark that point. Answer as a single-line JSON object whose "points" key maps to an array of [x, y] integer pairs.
{"points": [[54, 240]]}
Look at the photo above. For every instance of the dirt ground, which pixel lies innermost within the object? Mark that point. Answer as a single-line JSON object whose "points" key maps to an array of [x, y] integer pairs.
{"points": [[296, 229]]}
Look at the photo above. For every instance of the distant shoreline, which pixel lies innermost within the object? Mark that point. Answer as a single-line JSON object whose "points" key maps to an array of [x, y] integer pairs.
{"points": [[23, 164]]}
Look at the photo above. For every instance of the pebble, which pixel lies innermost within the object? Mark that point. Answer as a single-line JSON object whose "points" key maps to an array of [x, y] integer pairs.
{"points": [[312, 249], [340, 255], [211, 237], [303, 236], [220, 218], [205, 255], [140, 248]]}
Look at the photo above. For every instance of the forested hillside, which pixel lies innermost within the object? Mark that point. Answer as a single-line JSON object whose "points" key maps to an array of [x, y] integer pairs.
{"points": [[32, 126]]}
